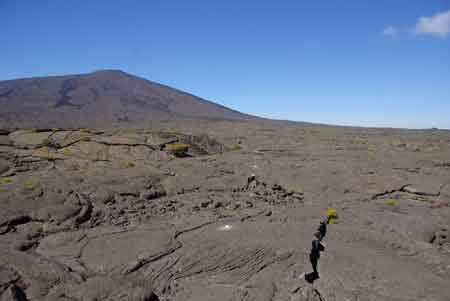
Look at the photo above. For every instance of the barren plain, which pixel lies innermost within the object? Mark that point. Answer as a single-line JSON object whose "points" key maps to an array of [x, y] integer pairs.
{"points": [[118, 214]]}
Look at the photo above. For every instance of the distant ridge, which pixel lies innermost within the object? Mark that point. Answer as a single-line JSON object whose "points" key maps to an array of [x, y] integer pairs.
{"points": [[102, 98]]}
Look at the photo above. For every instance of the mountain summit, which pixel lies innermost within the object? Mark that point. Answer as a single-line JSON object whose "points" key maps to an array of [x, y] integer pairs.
{"points": [[101, 98]]}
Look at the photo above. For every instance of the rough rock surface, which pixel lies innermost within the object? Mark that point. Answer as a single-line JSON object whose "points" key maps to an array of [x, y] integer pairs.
{"points": [[111, 214]]}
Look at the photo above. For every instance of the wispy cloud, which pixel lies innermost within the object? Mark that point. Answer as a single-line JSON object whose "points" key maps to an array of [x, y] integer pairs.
{"points": [[437, 25], [390, 31]]}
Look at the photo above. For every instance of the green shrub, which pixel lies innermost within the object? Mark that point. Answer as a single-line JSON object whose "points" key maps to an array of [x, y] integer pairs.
{"points": [[178, 149], [85, 138], [49, 143], [332, 220], [5, 180], [392, 202], [67, 150], [46, 142], [331, 215], [31, 184], [129, 163]]}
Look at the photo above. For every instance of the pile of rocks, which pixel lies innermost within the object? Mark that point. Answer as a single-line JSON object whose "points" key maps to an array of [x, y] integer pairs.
{"points": [[273, 194]]}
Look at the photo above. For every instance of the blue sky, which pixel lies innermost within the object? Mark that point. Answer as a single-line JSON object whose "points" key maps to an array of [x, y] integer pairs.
{"points": [[352, 62]]}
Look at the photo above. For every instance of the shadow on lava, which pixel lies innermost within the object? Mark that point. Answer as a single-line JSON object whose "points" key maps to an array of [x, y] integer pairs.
{"points": [[311, 277]]}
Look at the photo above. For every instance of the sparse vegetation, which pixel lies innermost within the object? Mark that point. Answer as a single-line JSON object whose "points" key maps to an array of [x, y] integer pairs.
{"points": [[129, 163], [392, 202], [332, 220], [5, 180], [85, 130], [89, 172], [49, 143], [67, 150], [178, 149], [332, 216], [85, 138], [31, 184], [236, 147], [46, 142]]}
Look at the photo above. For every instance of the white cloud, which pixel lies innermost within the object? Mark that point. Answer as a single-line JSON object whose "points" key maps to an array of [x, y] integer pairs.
{"points": [[390, 31], [437, 25]]}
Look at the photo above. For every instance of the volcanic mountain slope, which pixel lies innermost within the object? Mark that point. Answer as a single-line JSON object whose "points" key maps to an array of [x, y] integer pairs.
{"points": [[102, 98]]}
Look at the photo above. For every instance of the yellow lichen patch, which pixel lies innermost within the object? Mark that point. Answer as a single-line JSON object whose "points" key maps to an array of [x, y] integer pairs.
{"points": [[129, 163], [85, 130], [5, 180], [236, 147], [31, 184], [392, 202], [85, 138]]}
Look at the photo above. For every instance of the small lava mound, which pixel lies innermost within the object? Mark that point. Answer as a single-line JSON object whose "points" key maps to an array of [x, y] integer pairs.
{"points": [[198, 145]]}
